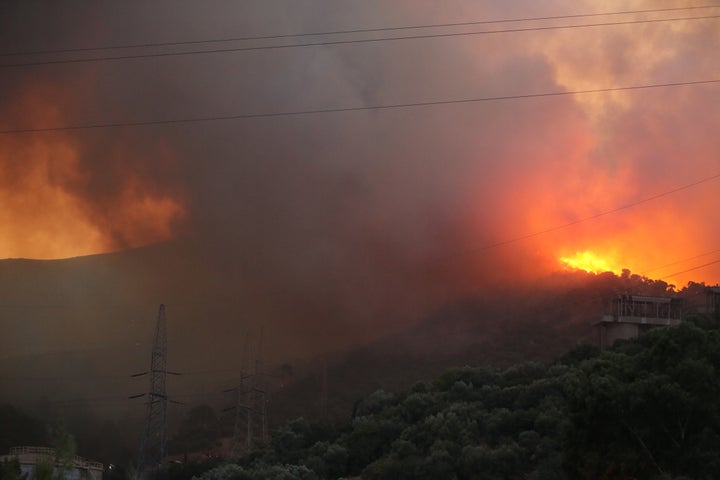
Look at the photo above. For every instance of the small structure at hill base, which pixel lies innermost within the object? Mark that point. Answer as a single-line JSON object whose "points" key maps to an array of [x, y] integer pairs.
{"points": [[712, 301], [633, 314], [28, 458]]}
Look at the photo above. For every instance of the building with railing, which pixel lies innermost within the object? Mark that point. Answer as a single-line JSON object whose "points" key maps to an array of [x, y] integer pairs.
{"points": [[631, 315], [28, 457], [712, 301]]}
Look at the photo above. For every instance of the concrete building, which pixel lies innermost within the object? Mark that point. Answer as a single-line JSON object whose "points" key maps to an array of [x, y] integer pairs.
{"points": [[633, 314], [28, 457], [712, 301]]}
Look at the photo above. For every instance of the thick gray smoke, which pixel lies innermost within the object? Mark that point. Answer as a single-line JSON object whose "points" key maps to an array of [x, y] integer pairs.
{"points": [[329, 229]]}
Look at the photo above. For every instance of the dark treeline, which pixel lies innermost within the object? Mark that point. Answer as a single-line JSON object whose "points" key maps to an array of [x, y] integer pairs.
{"points": [[645, 409], [105, 441], [498, 326], [641, 410]]}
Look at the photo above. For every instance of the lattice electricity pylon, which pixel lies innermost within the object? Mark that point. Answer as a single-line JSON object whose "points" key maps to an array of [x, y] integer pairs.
{"points": [[152, 450], [324, 389], [258, 392], [250, 404], [242, 404]]}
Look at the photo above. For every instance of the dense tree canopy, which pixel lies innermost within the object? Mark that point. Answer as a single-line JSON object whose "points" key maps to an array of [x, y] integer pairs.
{"points": [[646, 409]]}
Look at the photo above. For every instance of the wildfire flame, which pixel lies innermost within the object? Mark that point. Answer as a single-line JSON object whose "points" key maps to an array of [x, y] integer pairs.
{"points": [[590, 262]]}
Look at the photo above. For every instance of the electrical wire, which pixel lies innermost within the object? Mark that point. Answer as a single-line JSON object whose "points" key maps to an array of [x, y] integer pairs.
{"points": [[350, 31], [585, 219], [434, 103], [63, 378], [556, 228], [692, 269], [347, 42], [679, 261], [93, 401]]}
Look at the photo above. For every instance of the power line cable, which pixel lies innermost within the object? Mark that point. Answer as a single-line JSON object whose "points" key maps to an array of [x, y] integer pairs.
{"points": [[555, 228], [346, 42], [692, 269], [93, 401], [186, 374], [586, 219], [63, 377], [247, 116], [680, 261], [350, 31]]}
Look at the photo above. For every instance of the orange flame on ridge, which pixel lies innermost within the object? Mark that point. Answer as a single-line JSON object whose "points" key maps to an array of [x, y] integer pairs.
{"points": [[591, 262]]}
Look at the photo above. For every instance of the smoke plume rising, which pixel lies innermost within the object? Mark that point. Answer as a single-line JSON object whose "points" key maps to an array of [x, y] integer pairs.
{"points": [[332, 229]]}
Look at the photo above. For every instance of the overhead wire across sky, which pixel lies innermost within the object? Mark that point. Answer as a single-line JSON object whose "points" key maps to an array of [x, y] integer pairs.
{"points": [[426, 104], [350, 31], [695, 257], [698, 267], [527, 236], [346, 42], [243, 116], [600, 214], [440, 102]]}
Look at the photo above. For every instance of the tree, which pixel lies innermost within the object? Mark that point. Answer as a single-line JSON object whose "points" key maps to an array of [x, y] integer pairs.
{"points": [[259, 472], [647, 410], [10, 470], [63, 442], [44, 469]]}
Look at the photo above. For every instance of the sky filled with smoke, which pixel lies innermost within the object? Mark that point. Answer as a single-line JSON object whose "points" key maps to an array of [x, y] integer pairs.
{"points": [[340, 223]]}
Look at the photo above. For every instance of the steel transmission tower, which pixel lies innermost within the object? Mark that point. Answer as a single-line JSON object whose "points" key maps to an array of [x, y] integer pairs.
{"points": [[242, 407], [250, 403], [259, 389], [152, 450], [324, 389]]}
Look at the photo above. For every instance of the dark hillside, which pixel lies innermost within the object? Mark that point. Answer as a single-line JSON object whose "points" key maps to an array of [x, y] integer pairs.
{"points": [[644, 409], [498, 327]]}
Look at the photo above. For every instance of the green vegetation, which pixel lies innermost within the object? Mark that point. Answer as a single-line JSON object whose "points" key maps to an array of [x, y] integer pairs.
{"points": [[44, 469], [10, 470], [646, 409], [63, 442]]}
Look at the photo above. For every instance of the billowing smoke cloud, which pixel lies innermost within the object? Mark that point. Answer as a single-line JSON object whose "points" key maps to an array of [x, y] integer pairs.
{"points": [[65, 196], [338, 227]]}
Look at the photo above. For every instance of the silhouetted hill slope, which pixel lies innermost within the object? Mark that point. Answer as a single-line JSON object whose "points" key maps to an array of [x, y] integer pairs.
{"points": [[109, 303], [76, 329], [497, 327], [644, 408]]}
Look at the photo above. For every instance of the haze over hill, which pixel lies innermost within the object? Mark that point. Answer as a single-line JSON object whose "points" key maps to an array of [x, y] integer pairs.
{"points": [[399, 186], [333, 229], [498, 325], [104, 307], [77, 328], [300, 201]]}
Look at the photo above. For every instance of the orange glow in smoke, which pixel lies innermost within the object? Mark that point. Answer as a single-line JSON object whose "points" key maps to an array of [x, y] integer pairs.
{"points": [[42, 218], [46, 213], [574, 217], [661, 238]]}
